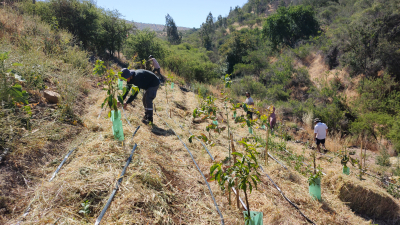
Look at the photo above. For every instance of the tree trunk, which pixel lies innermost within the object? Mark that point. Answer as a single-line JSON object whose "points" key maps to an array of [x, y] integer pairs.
{"points": [[247, 203]]}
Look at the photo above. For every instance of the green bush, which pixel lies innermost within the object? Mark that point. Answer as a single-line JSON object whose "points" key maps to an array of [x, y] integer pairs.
{"points": [[383, 159], [288, 25], [249, 84]]}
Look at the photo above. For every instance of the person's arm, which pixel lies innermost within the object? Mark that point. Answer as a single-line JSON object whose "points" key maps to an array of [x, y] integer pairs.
{"points": [[128, 87], [315, 134], [130, 99]]}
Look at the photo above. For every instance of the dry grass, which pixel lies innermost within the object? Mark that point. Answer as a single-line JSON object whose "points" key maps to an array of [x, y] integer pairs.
{"points": [[162, 185], [367, 200]]}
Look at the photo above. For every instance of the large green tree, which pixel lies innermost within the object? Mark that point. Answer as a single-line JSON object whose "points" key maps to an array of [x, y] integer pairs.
{"points": [[112, 34], [172, 31], [143, 44], [207, 31], [290, 24]]}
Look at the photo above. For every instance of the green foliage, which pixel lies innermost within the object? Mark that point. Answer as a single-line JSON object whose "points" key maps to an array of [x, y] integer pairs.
{"points": [[249, 84], [143, 44], [288, 25], [191, 63], [10, 92], [172, 31], [383, 159], [244, 171], [95, 29], [85, 208], [313, 177], [379, 95], [111, 86]]}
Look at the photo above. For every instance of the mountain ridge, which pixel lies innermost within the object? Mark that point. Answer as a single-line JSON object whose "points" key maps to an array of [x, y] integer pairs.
{"points": [[154, 27]]}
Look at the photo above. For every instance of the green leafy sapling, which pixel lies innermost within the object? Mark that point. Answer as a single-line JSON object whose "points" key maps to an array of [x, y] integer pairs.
{"points": [[114, 95]]}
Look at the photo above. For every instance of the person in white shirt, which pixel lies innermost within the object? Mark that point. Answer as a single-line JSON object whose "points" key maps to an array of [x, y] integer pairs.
{"points": [[155, 64], [249, 101], [157, 68], [320, 132]]}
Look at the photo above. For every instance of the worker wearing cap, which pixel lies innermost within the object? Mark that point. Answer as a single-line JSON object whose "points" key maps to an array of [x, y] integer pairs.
{"points": [[155, 64], [249, 101], [147, 81], [157, 68], [320, 131]]}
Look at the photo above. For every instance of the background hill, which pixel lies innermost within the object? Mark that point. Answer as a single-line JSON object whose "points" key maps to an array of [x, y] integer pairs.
{"points": [[155, 27]]}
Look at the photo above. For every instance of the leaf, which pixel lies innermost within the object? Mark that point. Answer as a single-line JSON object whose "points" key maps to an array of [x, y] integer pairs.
{"points": [[120, 99], [109, 114], [213, 167], [17, 64], [238, 154], [191, 138], [28, 110], [195, 113]]}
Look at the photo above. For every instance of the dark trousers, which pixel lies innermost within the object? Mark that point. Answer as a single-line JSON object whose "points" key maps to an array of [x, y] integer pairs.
{"points": [[148, 97], [157, 70], [250, 115]]}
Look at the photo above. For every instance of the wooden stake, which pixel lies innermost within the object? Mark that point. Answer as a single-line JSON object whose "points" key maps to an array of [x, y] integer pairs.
{"points": [[236, 183], [266, 147], [361, 167]]}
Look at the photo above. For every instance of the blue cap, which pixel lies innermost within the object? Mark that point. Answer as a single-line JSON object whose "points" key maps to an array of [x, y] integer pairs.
{"points": [[127, 73]]}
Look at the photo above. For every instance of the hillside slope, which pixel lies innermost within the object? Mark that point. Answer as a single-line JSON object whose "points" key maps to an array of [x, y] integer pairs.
{"points": [[162, 184]]}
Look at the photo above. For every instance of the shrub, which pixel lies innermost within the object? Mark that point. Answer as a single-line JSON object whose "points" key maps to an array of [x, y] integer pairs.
{"points": [[383, 159], [249, 84], [288, 25]]}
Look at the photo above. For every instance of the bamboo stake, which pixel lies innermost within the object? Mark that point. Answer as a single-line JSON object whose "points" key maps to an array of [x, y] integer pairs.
{"points": [[365, 152], [266, 147], [361, 158], [236, 184]]}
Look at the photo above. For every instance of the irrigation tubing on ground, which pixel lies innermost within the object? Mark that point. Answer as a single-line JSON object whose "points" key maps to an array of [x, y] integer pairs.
{"points": [[98, 117], [303, 161], [269, 156], [123, 112], [212, 158], [116, 187], [198, 168], [62, 163], [283, 195]]}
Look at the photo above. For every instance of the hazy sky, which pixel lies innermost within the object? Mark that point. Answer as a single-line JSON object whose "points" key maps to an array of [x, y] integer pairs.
{"points": [[190, 13]]}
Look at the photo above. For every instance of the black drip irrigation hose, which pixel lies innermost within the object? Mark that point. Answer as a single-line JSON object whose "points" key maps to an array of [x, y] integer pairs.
{"points": [[198, 168], [116, 187], [62, 163], [212, 158], [283, 195], [303, 161], [270, 155]]}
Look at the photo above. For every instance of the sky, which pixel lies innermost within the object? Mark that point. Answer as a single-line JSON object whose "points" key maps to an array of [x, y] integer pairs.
{"points": [[189, 13]]}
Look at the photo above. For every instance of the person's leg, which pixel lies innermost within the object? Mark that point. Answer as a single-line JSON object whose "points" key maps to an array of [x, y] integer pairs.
{"points": [[317, 142], [323, 144], [144, 100], [152, 93]]}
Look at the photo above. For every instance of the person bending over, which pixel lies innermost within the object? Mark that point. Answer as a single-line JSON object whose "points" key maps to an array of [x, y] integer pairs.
{"points": [[147, 81]]}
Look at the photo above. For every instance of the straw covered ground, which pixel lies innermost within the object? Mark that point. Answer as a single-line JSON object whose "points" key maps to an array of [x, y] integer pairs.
{"points": [[163, 186]]}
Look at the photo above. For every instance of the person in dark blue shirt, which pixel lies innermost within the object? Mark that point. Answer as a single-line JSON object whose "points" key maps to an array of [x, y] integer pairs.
{"points": [[147, 81]]}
